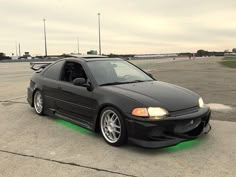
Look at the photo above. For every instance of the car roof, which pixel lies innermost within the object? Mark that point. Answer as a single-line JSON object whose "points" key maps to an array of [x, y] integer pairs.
{"points": [[85, 56], [102, 59], [88, 58]]}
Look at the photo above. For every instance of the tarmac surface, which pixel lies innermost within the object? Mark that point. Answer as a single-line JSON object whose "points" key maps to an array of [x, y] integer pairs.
{"points": [[31, 145]]}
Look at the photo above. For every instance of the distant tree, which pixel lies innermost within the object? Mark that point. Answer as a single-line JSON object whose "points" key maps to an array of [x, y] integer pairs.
{"points": [[3, 56], [201, 53], [112, 55], [234, 50]]}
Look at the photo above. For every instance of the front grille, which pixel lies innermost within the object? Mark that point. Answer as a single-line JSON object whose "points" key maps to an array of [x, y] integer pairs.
{"points": [[184, 111]]}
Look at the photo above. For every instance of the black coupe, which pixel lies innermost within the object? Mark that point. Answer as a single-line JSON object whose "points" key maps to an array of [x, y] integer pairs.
{"points": [[119, 99]]}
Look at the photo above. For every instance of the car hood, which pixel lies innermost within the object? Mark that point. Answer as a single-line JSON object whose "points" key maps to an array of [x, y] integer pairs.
{"points": [[157, 93]]}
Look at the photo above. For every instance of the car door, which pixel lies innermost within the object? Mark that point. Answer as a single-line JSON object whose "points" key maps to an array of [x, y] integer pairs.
{"points": [[77, 102], [50, 82]]}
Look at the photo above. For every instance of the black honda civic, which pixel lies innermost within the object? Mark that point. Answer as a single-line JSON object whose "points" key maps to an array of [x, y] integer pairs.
{"points": [[118, 99]]}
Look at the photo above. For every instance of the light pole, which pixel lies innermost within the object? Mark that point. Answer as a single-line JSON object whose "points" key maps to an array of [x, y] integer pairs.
{"points": [[16, 50], [19, 50], [45, 38], [99, 34], [78, 44]]}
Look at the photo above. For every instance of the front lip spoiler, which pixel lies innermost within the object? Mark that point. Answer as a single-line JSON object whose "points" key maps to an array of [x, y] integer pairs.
{"points": [[166, 143]]}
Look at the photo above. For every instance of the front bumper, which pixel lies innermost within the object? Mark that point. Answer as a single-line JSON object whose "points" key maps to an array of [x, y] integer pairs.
{"points": [[30, 92], [169, 131]]}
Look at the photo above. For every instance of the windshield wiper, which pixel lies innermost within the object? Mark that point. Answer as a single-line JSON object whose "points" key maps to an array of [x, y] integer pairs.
{"points": [[113, 83], [135, 81], [128, 82]]}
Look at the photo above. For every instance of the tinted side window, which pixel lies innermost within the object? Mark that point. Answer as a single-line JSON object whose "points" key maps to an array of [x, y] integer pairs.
{"points": [[54, 71], [73, 70]]}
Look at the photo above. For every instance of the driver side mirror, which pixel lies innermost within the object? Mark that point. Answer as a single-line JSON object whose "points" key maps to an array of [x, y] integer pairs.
{"points": [[82, 82], [79, 81]]}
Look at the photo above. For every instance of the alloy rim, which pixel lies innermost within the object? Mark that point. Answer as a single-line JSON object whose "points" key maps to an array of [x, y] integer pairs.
{"points": [[110, 126], [38, 102]]}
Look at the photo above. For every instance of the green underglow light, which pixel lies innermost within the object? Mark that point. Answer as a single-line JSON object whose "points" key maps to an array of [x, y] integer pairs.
{"points": [[183, 145], [73, 126]]}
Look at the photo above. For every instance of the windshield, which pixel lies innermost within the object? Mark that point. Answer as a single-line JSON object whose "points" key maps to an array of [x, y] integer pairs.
{"points": [[116, 72]]}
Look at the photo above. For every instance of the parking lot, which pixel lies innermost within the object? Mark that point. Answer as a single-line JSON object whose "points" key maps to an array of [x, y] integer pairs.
{"points": [[31, 145]]}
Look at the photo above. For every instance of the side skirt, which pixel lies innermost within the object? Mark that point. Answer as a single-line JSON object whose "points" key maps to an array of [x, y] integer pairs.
{"points": [[73, 120]]}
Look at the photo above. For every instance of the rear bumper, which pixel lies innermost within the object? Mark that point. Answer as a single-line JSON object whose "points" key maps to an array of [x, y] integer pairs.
{"points": [[169, 131]]}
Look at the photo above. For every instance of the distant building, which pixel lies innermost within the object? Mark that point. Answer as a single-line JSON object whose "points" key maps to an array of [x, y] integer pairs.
{"points": [[92, 52], [26, 56], [230, 54], [155, 56]]}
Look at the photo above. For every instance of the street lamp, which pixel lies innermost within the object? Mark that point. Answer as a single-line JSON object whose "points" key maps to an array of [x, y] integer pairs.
{"points": [[45, 38], [78, 44], [99, 34], [19, 50], [16, 50]]}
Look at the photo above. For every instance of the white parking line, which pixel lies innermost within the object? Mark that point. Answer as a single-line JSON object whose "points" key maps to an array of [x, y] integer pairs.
{"points": [[4, 67], [220, 107], [15, 98]]}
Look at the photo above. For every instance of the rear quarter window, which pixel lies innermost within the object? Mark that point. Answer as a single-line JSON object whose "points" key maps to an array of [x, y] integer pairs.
{"points": [[54, 71]]}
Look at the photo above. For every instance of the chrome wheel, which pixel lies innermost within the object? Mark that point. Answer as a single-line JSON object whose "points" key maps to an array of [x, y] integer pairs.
{"points": [[110, 126], [38, 102]]}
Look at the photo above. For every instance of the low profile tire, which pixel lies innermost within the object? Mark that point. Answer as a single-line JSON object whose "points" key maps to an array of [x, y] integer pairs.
{"points": [[113, 127], [38, 102]]}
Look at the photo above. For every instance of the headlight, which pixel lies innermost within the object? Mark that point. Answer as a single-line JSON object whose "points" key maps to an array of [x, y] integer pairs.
{"points": [[151, 112], [157, 113], [201, 103]]}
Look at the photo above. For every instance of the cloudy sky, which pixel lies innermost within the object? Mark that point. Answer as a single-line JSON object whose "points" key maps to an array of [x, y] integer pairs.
{"points": [[127, 26]]}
